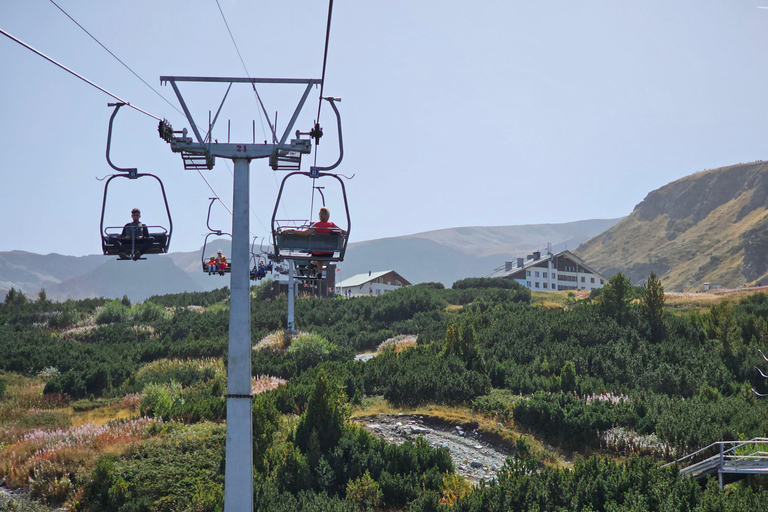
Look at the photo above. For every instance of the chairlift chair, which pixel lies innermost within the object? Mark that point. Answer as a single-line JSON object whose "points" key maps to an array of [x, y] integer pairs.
{"points": [[258, 273], [115, 241], [326, 247], [213, 232]]}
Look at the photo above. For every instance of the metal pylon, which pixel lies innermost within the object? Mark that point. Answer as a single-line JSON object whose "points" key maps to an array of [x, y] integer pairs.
{"points": [[238, 478]]}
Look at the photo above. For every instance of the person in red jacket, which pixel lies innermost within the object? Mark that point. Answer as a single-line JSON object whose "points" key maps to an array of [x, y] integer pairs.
{"points": [[221, 263], [323, 226]]}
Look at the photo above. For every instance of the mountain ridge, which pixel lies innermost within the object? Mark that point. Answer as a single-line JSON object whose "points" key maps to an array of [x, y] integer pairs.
{"points": [[443, 256], [705, 227]]}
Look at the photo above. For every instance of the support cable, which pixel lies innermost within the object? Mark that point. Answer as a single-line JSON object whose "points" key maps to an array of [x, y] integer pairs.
{"points": [[41, 54], [102, 89], [272, 129], [325, 57], [117, 58], [261, 120]]}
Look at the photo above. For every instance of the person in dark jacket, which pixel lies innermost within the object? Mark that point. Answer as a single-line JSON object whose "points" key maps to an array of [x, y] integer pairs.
{"points": [[134, 238]]}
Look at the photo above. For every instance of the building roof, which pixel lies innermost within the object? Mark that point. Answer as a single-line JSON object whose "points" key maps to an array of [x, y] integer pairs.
{"points": [[502, 272], [361, 279]]}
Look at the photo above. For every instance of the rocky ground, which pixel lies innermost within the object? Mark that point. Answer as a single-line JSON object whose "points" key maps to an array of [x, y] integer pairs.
{"points": [[475, 456]]}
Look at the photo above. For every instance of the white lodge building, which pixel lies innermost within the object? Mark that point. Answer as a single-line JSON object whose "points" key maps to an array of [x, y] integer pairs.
{"points": [[553, 272], [372, 283]]}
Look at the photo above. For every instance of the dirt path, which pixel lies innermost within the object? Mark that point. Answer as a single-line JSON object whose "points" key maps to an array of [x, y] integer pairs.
{"points": [[475, 456]]}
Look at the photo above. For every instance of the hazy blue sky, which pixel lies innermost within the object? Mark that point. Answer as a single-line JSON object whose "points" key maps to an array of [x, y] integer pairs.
{"points": [[455, 113]]}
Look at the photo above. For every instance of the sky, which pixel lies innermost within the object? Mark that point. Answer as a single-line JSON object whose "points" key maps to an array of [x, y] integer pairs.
{"points": [[486, 113]]}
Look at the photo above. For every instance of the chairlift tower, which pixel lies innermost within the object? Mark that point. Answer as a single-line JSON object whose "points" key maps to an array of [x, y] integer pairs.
{"points": [[200, 153]]}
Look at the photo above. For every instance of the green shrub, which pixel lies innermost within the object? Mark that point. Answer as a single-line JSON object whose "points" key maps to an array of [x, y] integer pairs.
{"points": [[309, 350], [365, 492], [499, 403], [185, 372], [113, 312]]}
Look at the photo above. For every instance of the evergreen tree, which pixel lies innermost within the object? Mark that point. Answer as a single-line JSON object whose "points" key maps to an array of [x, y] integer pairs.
{"points": [[652, 307], [461, 342], [615, 299], [568, 377], [15, 298], [322, 424], [722, 326]]}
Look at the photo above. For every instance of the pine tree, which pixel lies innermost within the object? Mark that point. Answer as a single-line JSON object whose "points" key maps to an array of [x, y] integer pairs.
{"points": [[652, 307], [615, 299]]}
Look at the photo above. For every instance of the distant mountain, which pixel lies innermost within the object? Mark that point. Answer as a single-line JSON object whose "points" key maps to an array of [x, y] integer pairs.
{"points": [[707, 227], [30, 272], [448, 255], [444, 256], [138, 280]]}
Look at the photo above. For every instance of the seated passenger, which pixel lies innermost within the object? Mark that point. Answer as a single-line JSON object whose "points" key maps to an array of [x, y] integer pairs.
{"points": [[323, 226], [211, 265], [134, 238], [221, 263]]}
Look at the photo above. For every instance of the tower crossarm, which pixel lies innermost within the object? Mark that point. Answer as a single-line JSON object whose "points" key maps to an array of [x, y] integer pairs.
{"points": [[203, 146]]}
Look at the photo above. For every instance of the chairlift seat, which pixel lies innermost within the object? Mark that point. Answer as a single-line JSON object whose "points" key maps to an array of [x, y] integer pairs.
{"points": [[316, 246], [226, 270], [113, 244]]}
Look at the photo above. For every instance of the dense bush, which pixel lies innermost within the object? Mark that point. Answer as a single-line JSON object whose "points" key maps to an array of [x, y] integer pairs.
{"points": [[686, 379], [599, 484]]}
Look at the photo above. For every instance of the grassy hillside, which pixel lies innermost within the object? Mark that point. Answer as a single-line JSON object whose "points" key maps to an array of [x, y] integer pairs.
{"points": [[707, 227]]}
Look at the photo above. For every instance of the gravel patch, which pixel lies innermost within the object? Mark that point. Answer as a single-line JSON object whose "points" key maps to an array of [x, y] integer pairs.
{"points": [[475, 456]]}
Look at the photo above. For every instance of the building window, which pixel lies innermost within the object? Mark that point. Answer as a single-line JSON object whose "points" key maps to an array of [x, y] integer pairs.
{"points": [[592, 280], [544, 285], [536, 274], [537, 284], [554, 276], [528, 273], [528, 284], [398, 283], [602, 282], [544, 275], [583, 279]]}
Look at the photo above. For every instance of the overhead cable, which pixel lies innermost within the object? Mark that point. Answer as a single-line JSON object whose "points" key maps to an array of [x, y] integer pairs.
{"points": [[272, 129], [117, 58], [214, 192], [325, 57], [127, 103]]}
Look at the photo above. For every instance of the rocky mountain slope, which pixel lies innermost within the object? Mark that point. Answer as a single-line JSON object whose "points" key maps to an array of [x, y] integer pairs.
{"points": [[706, 227]]}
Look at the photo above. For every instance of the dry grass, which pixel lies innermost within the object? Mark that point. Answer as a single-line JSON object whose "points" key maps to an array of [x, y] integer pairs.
{"points": [[681, 303], [398, 343], [277, 341], [264, 383]]}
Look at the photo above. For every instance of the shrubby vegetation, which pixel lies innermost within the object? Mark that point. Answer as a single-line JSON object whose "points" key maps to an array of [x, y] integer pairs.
{"points": [[618, 362]]}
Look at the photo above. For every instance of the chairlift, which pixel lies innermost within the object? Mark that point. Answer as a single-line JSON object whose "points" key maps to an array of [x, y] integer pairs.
{"points": [[123, 241], [213, 269], [260, 269], [323, 245], [330, 245]]}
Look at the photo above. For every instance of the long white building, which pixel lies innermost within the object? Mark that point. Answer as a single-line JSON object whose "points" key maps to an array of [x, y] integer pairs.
{"points": [[553, 272], [372, 283]]}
